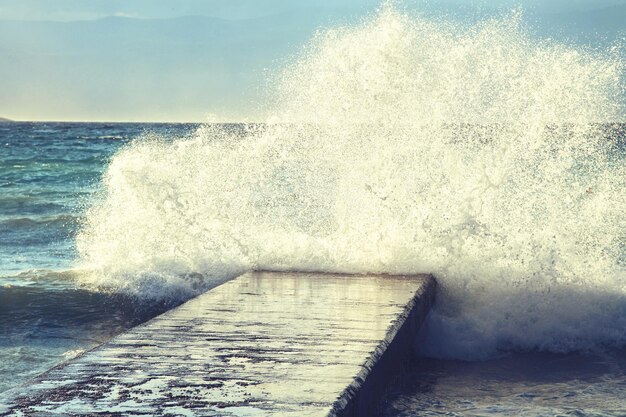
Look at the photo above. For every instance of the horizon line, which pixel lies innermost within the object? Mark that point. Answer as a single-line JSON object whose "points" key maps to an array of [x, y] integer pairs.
{"points": [[245, 121], [8, 120]]}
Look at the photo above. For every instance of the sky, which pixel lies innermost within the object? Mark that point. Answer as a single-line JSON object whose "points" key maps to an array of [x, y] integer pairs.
{"points": [[189, 60], [68, 10]]}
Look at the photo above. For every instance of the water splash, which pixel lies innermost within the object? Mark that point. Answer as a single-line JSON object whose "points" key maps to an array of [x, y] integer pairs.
{"points": [[400, 145]]}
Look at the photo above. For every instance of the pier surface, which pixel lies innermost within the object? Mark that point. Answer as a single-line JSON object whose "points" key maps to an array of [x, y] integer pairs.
{"points": [[263, 344]]}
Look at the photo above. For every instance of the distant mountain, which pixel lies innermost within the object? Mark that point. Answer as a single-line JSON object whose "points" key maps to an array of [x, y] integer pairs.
{"points": [[166, 69], [120, 68], [2, 119]]}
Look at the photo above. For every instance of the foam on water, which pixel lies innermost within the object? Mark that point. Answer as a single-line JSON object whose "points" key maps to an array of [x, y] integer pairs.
{"points": [[399, 145]]}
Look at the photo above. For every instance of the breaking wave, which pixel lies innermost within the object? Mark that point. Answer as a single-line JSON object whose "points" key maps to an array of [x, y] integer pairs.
{"points": [[400, 145]]}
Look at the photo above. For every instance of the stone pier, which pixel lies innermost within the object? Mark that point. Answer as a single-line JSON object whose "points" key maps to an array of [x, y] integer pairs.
{"points": [[263, 344]]}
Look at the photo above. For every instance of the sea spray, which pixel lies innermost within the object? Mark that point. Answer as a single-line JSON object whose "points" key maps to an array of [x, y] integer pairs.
{"points": [[399, 145]]}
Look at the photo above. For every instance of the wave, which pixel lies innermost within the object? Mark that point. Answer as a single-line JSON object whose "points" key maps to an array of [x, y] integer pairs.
{"points": [[28, 204], [37, 230], [63, 277], [399, 145], [61, 220], [43, 310]]}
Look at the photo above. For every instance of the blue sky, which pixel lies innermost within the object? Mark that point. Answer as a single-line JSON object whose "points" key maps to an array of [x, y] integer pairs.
{"points": [[182, 60], [67, 10], [92, 9]]}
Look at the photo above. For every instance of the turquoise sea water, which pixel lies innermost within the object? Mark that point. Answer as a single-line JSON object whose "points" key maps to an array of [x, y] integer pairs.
{"points": [[48, 173]]}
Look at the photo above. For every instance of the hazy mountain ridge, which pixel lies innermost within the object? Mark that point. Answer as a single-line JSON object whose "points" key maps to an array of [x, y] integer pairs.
{"points": [[67, 10], [185, 67], [151, 65]]}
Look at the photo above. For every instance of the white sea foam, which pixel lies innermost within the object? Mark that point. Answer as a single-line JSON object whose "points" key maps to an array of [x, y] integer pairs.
{"points": [[399, 145]]}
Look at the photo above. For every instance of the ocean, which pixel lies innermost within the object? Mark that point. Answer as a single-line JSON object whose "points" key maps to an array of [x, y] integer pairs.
{"points": [[53, 172], [399, 145], [48, 174]]}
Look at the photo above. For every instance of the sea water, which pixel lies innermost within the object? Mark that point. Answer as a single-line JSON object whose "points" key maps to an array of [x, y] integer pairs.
{"points": [[397, 145], [516, 384], [48, 173]]}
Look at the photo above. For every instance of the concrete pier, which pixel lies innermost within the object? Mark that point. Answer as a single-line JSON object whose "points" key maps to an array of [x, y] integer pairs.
{"points": [[264, 344]]}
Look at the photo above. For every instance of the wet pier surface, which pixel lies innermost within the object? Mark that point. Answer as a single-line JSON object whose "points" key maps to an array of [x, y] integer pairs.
{"points": [[263, 344]]}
